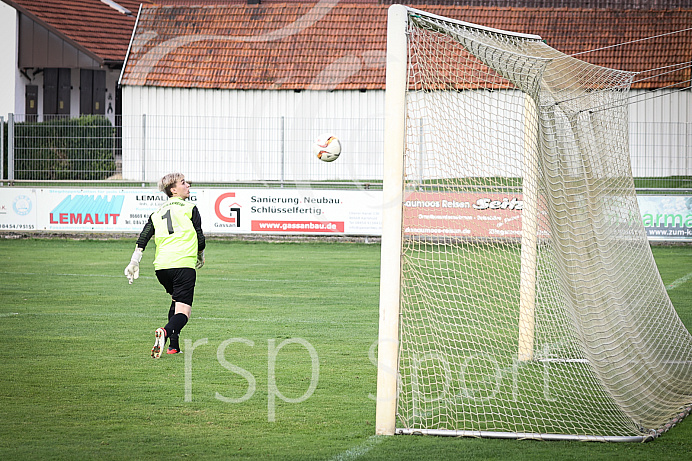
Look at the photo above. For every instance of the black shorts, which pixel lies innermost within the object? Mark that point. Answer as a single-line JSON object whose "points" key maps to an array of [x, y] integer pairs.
{"points": [[179, 283]]}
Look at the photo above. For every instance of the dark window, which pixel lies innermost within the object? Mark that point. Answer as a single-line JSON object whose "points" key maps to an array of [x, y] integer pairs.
{"points": [[86, 91], [57, 86], [92, 91]]}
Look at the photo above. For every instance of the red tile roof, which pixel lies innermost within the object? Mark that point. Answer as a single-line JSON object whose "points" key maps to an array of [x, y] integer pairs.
{"points": [[342, 46], [91, 24], [616, 4]]}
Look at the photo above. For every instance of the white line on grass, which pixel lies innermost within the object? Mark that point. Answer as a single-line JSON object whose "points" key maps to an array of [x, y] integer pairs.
{"points": [[43, 274], [679, 282], [359, 450], [271, 320]]}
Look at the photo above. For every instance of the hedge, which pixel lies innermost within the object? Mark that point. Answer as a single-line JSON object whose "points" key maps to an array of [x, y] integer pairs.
{"points": [[80, 148]]}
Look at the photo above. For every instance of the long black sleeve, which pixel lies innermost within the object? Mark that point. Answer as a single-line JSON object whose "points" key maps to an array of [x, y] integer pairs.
{"points": [[146, 234], [197, 224]]}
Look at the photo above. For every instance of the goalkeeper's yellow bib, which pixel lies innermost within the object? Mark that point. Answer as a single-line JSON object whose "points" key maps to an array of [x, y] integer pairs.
{"points": [[174, 235]]}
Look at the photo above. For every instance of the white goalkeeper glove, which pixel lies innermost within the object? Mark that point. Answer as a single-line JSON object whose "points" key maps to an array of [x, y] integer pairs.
{"points": [[200, 259], [132, 269]]}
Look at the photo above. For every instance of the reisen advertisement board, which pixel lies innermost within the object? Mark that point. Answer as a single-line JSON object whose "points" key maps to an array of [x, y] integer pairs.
{"points": [[462, 214]]}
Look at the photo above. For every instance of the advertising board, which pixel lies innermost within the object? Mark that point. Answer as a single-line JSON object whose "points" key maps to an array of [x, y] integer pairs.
{"points": [[224, 211], [303, 211]]}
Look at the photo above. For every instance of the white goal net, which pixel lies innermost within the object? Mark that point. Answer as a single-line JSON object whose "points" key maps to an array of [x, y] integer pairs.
{"points": [[519, 297]]}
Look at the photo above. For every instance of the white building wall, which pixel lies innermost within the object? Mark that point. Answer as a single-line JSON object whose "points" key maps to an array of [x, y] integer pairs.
{"points": [[9, 74], [222, 135]]}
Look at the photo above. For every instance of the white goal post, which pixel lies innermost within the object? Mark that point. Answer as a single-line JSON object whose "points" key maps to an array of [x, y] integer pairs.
{"points": [[519, 297]]}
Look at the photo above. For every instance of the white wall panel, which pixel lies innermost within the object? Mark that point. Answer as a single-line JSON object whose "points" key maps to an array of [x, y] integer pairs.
{"points": [[661, 133], [223, 136]]}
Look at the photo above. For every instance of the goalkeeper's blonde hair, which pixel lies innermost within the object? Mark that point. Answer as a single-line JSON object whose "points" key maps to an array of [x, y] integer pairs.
{"points": [[169, 181]]}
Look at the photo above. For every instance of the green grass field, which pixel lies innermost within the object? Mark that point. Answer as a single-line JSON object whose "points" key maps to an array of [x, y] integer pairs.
{"points": [[277, 364]]}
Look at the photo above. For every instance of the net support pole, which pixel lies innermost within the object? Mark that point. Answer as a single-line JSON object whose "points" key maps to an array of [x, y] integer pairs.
{"points": [[390, 265], [529, 232]]}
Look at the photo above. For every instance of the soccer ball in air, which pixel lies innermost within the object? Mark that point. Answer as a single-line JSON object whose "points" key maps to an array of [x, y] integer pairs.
{"points": [[326, 147]]}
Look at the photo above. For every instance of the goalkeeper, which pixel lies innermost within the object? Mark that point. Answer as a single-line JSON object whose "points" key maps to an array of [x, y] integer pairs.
{"points": [[177, 230]]}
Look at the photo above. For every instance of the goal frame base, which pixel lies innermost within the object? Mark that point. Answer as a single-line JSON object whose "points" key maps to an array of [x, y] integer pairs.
{"points": [[525, 435]]}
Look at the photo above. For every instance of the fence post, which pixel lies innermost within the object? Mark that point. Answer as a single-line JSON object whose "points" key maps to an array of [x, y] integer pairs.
{"points": [[10, 147], [144, 147], [421, 147], [688, 145], [283, 152]]}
